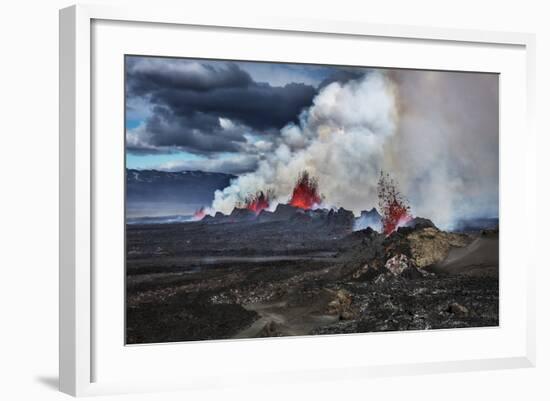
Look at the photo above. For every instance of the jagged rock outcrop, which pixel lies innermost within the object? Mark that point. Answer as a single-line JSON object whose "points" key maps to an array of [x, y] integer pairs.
{"points": [[282, 212], [339, 220], [368, 218], [430, 245], [369, 272], [402, 266], [457, 309], [242, 215], [419, 223], [340, 217], [219, 217]]}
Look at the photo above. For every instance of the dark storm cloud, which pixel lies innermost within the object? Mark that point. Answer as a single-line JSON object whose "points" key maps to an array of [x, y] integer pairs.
{"points": [[198, 132], [343, 75], [147, 75], [259, 106], [188, 98]]}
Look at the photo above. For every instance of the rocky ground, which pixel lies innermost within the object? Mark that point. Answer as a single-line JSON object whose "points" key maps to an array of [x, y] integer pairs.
{"points": [[296, 273]]}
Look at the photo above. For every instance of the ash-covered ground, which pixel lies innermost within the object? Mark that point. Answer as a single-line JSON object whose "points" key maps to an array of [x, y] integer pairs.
{"points": [[295, 272]]}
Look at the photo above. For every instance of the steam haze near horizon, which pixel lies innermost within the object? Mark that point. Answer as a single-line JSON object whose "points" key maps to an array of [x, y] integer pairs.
{"points": [[435, 132]]}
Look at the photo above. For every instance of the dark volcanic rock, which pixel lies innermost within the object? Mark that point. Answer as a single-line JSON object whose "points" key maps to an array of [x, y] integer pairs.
{"points": [[398, 264], [457, 309], [419, 223], [317, 214], [266, 216], [398, 243], [340, 220], [185, 317], [341, 217], [302, 218], [401, 266], [242, 215], [219, 217], [420, 304], [285, 212], [369, 272], [365, 233]]}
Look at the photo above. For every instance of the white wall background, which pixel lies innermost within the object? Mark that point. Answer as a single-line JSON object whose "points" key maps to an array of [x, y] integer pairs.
{"points": [[29, 185]]}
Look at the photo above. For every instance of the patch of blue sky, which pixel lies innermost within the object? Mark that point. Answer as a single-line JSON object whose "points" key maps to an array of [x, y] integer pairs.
{"points": [[132, 123], [150, 161]]}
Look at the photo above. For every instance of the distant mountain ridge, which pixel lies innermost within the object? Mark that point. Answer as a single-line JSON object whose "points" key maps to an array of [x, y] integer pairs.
{"points": [[157, 193], [135, 175]]}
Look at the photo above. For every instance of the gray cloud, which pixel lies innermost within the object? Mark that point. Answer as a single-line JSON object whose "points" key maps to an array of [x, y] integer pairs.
{"points": [[343, 75], [148, 74], [197, 132], [188, 98], [258, 106]]}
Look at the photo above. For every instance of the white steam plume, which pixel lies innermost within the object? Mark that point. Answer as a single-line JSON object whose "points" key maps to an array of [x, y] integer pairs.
{"points": [[435, 132], [445, 153], [340, 140]]}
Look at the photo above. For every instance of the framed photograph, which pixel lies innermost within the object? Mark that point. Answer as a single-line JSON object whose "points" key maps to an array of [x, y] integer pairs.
{"points": [[271, 200]]}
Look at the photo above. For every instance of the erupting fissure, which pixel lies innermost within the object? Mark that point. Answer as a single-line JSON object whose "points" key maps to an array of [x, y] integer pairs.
{"points": [[306, 192], [199, 214], [393, 206], [258, 202]]}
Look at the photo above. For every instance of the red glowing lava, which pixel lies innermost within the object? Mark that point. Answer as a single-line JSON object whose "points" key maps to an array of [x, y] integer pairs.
{"points": [[257, 202], [393, 206], [306, 192], [199, 214]]}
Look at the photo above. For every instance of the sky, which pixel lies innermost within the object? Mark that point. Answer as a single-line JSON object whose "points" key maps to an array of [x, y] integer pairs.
{"points": [[190, 114], [435, 132]]}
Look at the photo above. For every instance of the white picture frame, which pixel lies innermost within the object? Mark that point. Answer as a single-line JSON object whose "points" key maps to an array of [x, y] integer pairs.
{"points": [[79, 349]]}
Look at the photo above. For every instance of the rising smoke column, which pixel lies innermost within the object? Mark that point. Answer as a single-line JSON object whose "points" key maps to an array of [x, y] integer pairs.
{"points": [[436, 132], [445, 153], [340, 139]]}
